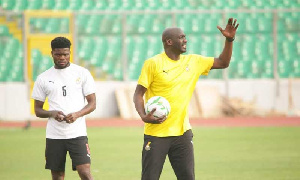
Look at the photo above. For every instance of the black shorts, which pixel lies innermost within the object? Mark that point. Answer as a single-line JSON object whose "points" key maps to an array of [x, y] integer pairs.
{"points": [[56, 151], [180, 151]]}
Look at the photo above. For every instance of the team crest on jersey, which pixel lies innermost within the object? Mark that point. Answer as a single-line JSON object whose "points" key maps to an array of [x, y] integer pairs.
{"points": [[78, 80], [147, 147], [187, 68]]}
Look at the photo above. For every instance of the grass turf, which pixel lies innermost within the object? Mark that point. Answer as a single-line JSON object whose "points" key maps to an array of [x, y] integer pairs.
{"points": [[220, 154]]}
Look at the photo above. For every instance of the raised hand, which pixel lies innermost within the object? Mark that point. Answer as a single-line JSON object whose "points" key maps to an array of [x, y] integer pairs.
{"points": [[230, 30]]}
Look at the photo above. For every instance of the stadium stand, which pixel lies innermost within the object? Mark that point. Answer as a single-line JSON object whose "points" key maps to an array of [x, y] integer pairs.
{"points": [[100, 35]]}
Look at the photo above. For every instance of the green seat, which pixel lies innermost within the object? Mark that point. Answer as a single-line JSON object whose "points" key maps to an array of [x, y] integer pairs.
{"points": [[100, 5], [87, 5], [193, 45], [75, 4], [211, 25], [107, 24], [113, 55], [134, 70], [292, 24], [265, 24], [64, 25], [268, 69], [130, 43], [232, 69], [86, 48], [262, 50], [11, 49], [185, 23], [39, 24], [248, 47], [52, 25], [243, 69], [7, 4], [118, 72], [3, 73], [154, 46], [206, 45], [46, 63], [117, 26], [128, 5], [165, 21], [237, 50], [99, 52], [48, 4], [36, 57], [2, 46], [115, 44], [109, 62], [281, 25], [16, 74], [82, 22], [34, 4], [133, 24], [287, 50], [140, 50], [251, 25], [296, 67], [114, 4], [197, 25], [152, 5], [43, 64], [145, 24], [218, 45], [180, 4], [284, 68], [20, 5], [4, 30], [256, 70]]}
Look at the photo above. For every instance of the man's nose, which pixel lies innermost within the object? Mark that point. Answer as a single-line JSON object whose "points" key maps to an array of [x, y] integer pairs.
{"points": [[62, 57]]}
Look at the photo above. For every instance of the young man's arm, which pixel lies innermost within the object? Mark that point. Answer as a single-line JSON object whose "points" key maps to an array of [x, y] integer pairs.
{"points": [[139, 106], [90, 107], [40, 112], [229, 32]]}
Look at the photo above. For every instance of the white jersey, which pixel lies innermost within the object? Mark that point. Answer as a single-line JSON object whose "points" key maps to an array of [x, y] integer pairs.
{"points": [[66, 90]]}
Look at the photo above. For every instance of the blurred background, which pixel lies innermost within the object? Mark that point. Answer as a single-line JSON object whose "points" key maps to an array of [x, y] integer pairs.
{"points": [[112, 38]]}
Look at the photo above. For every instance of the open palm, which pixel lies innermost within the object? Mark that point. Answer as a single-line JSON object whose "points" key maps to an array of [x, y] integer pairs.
{"points": [[230, 30]]}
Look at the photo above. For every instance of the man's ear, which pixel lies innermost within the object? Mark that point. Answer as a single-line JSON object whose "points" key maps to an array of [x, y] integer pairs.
{"points": [[169, 42]]}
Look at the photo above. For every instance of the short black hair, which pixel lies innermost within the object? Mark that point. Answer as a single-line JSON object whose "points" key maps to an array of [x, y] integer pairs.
{"points": [[60, 42]]}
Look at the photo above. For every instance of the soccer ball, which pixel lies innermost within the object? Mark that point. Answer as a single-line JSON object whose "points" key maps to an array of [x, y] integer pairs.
{"points": [[161, 104]]}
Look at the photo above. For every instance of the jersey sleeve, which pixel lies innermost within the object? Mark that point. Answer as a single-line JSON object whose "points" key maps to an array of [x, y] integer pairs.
{"points": [[89, 86], [205, 64], [38, 92], [147, 73]]}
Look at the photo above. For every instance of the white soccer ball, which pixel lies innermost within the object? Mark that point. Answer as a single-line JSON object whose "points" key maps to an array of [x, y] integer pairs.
{"points": [[161, 104]]}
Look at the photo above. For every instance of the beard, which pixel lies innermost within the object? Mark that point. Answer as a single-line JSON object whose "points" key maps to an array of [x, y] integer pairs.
{"points": [[61, 65]]}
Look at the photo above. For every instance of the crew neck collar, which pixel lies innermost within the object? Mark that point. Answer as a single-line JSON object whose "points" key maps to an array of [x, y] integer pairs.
{"points": [[171, 60]]}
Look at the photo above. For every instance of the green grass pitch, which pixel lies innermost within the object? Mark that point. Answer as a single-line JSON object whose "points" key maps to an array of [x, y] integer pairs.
{"points": [[220, 154]]}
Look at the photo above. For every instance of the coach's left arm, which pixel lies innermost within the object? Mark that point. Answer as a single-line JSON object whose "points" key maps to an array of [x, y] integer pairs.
{"points": [[229, 32]]}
